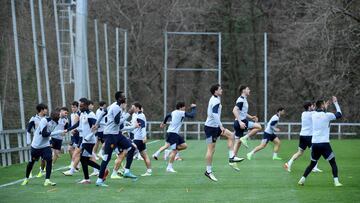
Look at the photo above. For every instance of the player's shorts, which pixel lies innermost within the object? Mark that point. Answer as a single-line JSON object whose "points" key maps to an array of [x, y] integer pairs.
{"points": [[56, 143], [87, 149], [212, 134], [174, 140], [78, 145], [321, 149], [116, 141], [101, 136], [240, 132], [45, 154], [141, 146], [268, 137], [74, 140], [304, 142]]}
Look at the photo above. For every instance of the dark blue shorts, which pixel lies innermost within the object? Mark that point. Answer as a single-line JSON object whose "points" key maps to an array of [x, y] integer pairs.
{"points": [[141, 146], [238, 131], [212, 134], [321, 149], [116, 141], [174, 140], [74, 140], [56, 143], [304, 142], [101, 136], [268, 137], [44, 153], [87, 149]]}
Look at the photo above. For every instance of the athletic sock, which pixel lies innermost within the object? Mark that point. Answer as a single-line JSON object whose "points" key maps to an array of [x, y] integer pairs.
{"points": [[208, 169], [169, 165], [157, 153], [127, 170], [149, 170], [231, 154], [114, 173], [275, 154], [336, 180], [290, 162]]}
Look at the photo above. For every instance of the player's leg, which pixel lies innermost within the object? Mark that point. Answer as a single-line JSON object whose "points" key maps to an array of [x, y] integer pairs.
{"points": [[119, 159], [147, 162], [47, 156], [230, 144], [34, 157], [316, 152], [277, 144], [209, 158], [172, 155], [161, 149], [254, 129], [261, 146]]}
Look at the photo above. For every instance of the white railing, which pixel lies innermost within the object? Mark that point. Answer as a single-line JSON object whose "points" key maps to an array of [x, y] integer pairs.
{"points": [[13, 142]]}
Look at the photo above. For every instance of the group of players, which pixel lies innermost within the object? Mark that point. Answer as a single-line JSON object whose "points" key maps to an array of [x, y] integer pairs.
{"points": [[111, 128]]}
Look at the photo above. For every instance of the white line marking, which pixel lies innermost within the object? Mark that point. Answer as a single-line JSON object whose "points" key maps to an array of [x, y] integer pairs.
{"points": [[58, 169]]}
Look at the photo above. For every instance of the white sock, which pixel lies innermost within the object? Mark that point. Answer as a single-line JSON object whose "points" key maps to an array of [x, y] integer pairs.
{"points": [[252, 152], [302, 179], [231, 154], [208, 169], [157, 153], [177, 155], [336, 180], [290, 162], [169, 165], [316, 166], [149, 170], [114, 172], [275, 154], [72, 169], [127, 170], [96, 170]]}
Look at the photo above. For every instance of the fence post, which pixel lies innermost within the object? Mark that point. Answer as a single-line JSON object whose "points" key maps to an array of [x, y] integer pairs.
{"points": [[289, 131], [339, 131], [7, 145], [198, 130], [26, 151], [150, 133], [185, 130], [2, 145], [20, 152]]}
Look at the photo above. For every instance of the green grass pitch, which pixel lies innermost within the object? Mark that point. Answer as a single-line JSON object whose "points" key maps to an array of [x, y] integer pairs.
{"points": [[260, 180]]}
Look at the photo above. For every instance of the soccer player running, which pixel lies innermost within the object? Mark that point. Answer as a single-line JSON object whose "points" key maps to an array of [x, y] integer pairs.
{"points": [[214, 129], [100, 130], [56, 140], [40, 146], [269, 135], [321, 138], [84, 126], [243, 121], [305, 135], [74, 138], [114, 137], [42, 111], [175, 141]]}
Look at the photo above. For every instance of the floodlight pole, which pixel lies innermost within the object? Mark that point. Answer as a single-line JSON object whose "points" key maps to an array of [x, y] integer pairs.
{"points": [[265, 79], [165, 71]]}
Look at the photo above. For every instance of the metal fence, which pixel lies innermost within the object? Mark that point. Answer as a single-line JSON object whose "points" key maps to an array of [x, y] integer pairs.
{"points": [[14, 149]]}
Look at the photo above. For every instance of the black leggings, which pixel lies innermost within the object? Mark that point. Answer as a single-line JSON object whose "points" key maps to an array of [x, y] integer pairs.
{"points": [[130, 157], [85, 162], [30, 166], [332, 163]]}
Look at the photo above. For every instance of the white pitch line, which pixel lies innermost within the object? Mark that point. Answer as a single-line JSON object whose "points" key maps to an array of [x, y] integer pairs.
{"points": [[58, 169], [18, 181]]}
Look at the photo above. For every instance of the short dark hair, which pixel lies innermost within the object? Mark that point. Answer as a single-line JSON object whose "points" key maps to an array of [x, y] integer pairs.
{"points": [[91, 102], [41, 107], [241, 88], [55, 114], [307, 104], [280, 109], [319, 103], [102, 103], [137, 105], [85, 101], [75, 103], [64, 108], [179, 105], [213, 88]]}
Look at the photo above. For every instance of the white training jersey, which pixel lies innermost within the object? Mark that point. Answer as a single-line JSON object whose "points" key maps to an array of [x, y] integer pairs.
{"points": [[115, 118], [214, 112], [43, 132], [243, 106], [34, 123], [140, 133], [102, 123], [87, 120], [321, 124], [270, 128], [61, 125], [306, 123]]}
